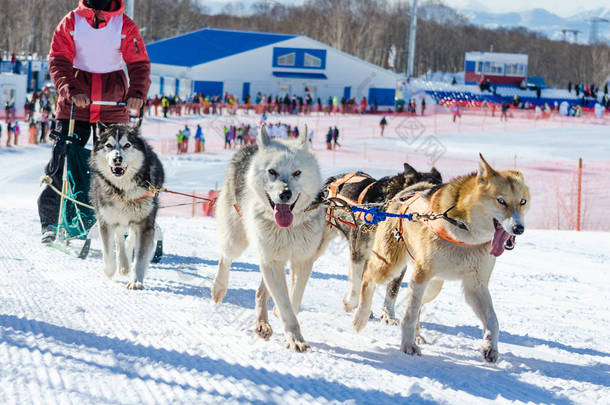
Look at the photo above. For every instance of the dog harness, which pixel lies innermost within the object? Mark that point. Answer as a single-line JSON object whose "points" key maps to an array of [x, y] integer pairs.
{"points": [[417, 204], [333, 192]]}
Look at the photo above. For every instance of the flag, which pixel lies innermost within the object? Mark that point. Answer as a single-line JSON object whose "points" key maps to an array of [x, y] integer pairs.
{"points": [[392, 56]]}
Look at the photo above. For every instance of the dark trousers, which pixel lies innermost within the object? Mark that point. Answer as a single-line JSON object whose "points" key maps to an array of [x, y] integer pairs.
{"points": [[48, 202]]}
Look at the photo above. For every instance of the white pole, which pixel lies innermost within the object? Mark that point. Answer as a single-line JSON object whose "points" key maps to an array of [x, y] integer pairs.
{"points": [[412, 34], [129, 8]]}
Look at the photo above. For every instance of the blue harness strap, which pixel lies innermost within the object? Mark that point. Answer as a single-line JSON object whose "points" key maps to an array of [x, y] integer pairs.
{"points": [[374, 215]]}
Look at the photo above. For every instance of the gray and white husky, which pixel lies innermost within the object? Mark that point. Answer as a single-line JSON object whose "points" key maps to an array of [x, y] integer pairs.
{"points": [[265, 201], [123, 167]]}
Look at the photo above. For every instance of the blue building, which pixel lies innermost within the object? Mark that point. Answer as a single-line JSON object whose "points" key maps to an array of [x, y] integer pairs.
{"points": [[215, 61]]}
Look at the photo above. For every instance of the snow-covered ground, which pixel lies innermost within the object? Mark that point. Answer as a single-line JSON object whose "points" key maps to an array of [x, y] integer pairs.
{"points": [[70, 335]]}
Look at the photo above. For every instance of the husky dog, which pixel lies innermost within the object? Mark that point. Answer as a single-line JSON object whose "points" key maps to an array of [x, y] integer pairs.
{"points": [[363, 189], [266, 200], [484, 211], [123, 167]]}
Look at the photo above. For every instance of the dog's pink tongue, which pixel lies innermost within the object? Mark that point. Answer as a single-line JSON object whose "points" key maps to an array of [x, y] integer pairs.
{"points": [[283, 215], [497, 244]]}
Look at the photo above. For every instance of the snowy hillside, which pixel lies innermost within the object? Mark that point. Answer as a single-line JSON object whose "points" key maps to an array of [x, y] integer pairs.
{"points": [[70, 335]]}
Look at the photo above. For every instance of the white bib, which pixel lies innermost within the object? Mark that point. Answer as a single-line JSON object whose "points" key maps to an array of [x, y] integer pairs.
{"points": [[98, 50]]}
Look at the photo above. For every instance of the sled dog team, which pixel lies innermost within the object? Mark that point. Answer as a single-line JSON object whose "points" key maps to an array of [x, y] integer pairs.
{"points": [[274, 198]]}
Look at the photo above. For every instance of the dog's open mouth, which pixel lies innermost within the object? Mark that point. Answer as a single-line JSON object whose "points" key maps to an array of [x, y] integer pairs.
{"points": [[502, 240], [283, 212], [118, 171]]}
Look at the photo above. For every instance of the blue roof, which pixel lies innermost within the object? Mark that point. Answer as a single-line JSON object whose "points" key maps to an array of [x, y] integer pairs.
{"points": [[300, 75], [206, 45]]}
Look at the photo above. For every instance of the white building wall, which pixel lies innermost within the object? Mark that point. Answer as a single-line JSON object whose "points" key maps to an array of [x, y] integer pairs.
{"points": [[155, 86], [255, 67], [13, 89]]}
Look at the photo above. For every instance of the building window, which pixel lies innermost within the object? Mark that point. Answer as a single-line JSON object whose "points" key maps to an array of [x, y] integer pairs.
{"points": [[479, 67], [312, 61], [493, 68], [286, 60], [515, 69]]}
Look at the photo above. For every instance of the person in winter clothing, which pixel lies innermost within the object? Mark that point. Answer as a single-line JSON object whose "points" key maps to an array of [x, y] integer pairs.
{"points": [[187, 136], [180, 140], [329, 139], [9, 132], [16, 133], [336, 138], [383, 124], [33, 132], [88, 49], [199, 140]]}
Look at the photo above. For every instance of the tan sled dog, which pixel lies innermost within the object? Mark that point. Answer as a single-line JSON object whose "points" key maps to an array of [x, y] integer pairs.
{"points": [[484, 213]]}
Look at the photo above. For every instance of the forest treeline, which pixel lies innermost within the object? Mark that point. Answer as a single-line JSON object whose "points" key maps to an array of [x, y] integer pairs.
{"points": [[364, 28]]}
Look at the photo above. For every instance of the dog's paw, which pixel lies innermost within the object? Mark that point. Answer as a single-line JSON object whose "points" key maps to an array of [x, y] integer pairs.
{"points": [[124, 270], [218, 293], [297, 346], [389, 320], [490, 355], [109, 271], [419, 340], [410, 349], [134, 285], [360, 320], [263, 329], [349, 303]]}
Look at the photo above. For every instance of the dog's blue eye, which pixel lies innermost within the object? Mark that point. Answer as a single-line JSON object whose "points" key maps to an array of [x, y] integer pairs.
{"points": [[523, 201], [501, 201], [297, 173], [127, 146], [109, 146]]}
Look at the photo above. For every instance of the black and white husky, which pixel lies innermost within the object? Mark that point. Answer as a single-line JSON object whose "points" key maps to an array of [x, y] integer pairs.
{"points": [[123, 167], [265, 202]]}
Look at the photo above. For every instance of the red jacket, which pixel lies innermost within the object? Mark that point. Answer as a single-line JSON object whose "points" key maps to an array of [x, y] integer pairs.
{"points": [[112, 86]]}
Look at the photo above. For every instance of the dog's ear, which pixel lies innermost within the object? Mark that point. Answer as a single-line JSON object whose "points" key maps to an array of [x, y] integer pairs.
{"points": [[436, 174], [264, 139], [485, 170], [101, 127], [409, 170], [135, 129]]}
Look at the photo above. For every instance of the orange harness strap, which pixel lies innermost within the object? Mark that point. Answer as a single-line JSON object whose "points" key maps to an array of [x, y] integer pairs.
{"points": [[363, 193], [333, 192], [237, 209], [333, 187], [438, 227]]}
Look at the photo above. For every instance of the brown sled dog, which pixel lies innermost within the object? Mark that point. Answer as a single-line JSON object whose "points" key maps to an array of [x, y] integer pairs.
{"points": [[360, 188], [485, 212]]}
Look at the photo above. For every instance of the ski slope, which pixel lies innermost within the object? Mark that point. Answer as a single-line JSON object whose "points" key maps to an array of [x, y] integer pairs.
{"points": [[70, 335]]}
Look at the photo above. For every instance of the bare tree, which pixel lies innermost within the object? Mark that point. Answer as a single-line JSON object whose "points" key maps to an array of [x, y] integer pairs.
{"points": [[364, 28]]}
